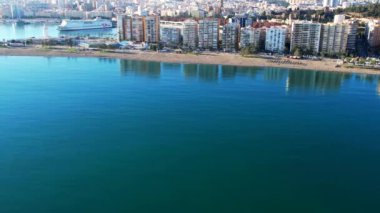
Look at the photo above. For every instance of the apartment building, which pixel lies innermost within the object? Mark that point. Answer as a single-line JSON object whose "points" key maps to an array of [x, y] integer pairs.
{"points": [[275, 39], [352, 28], [171, 32], [373, 33], [334, 38], [130, 28], [190, 33], [208, 34], [230, 37], [252, 36], [306, 36], [330, 3], [151, 25]]}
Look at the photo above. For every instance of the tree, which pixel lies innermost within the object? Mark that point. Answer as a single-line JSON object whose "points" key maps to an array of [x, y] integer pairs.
{"points": [[248, 50], [70, 42], [297, 52]]}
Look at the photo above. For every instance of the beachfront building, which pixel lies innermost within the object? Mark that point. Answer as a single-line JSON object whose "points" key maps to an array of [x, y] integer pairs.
{"points": [[151, 29], [170, 32], [252, 36], [190, 33], [130, 28], [275, 39], [305, 35], [122, 28], [352, 28], [137, 29], [230, 37], [333, 38], [330, 3], [208, 34], [373, 33]]}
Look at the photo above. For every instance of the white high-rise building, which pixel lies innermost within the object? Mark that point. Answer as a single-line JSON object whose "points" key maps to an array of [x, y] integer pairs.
{"points": [[330, 3], [230, 37], [373, 33], [306, 36], [334, 38], [190, 34], [252, 36], [170, 32], [208, 34], [275, 39]]}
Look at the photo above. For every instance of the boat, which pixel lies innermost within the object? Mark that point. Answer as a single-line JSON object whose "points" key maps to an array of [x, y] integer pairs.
{"points": [[97, 23]]}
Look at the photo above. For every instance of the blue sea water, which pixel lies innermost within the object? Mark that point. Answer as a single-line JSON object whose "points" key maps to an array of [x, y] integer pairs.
{"points": [[107, 135]]}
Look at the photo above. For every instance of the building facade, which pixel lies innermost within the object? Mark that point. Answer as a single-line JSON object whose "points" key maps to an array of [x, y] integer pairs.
{"points": [[306, 36], [352, 30], [252, 36], [151, 29], [330, 3], [190, 34], [373, 33], [275, 39], [334, 38], [130, 28], [171, 32], [208, 34], [230, 37]]}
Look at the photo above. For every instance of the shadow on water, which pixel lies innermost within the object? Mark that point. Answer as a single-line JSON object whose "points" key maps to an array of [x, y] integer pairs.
{"points": [[318, 81], [294, 80], [108, 60], [142, 68], [209, 73], [190, 70], [231, 72], [203, 72], [275, 74], [171, 66]]}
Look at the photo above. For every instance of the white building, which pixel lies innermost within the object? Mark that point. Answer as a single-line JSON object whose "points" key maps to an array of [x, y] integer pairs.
{"points": [[339, 19], [230, 37], [330, 3], [275, 39], [305, 35], [208, 34], [252, 36], [171, 32], [190, 33], [334, 38], [373, 33]]}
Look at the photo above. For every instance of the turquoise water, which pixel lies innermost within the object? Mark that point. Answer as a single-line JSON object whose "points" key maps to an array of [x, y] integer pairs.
{"points": [[40, 30], [104, 135]]}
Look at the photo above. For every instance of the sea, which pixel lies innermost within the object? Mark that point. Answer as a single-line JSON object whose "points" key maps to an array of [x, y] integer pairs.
{"points": [[9, 31], [109, 135]]}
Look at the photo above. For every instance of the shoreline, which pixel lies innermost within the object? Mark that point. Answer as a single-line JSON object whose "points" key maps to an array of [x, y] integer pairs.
{"points": [[204, 58]]}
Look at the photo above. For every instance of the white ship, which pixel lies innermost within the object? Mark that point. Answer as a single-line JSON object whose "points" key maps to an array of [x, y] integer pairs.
{"points": [[97, 23]]}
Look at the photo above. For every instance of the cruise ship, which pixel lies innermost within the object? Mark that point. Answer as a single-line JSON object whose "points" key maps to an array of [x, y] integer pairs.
{"points": [[97, 23]]}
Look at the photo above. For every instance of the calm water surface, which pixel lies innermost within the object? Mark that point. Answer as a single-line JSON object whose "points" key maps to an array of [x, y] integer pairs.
{"points": [[40, 30], [104, 135]]}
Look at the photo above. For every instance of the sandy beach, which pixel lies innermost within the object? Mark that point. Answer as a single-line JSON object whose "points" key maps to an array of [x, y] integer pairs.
{"points": [[204, 58]]}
